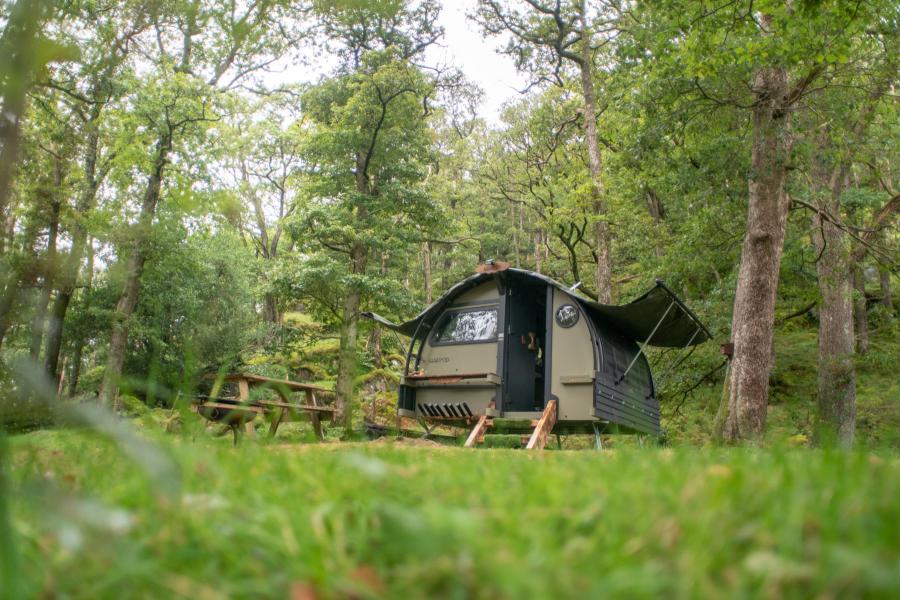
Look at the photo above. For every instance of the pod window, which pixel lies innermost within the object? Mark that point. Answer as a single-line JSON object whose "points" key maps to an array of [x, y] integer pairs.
{"points": [[470, 326]]}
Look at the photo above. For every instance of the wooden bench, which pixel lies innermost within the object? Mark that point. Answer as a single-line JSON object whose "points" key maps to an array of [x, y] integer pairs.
{"points": [[242, 410]]}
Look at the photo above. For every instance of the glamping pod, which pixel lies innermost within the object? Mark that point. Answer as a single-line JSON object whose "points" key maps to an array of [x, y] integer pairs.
{"points": [[505, 342]]}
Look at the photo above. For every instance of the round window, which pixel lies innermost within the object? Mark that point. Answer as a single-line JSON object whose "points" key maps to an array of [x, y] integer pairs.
{"points": [[566, 316]]}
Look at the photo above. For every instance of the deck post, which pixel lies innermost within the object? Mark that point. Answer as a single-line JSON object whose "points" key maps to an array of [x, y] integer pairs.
{"points": [[544, 427], [478, 431]]}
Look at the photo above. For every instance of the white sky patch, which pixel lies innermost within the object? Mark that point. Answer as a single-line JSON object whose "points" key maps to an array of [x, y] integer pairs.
{"points": [[476, 54], [463, 45]]}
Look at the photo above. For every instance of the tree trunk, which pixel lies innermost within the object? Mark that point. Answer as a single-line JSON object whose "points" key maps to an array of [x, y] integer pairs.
{"points": [[426, 272], [538, 249], [657, 211], [9, 231], [20, 275], [884, 282], [7, 303], [603, 271], [109, 389], [22, 27], [516, 227], [837, 372], [76, 369], [375, 347], [742, 413], [349, 334], [270, 308], [49, 263], [860, 314], [84, 207], [79, 343]]}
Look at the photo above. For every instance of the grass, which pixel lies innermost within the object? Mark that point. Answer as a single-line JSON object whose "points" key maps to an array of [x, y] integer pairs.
{"points": [[408, 520], [189, 516]]}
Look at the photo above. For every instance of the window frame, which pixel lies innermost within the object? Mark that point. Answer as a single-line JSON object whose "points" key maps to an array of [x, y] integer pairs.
{"points": [[433, 336]]}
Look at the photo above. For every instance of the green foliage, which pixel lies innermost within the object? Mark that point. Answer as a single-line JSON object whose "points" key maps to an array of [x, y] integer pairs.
{"points": [[196, 313]]}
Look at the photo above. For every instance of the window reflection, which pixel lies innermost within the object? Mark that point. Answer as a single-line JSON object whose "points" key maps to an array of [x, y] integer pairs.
{"points": [[468, 326]]}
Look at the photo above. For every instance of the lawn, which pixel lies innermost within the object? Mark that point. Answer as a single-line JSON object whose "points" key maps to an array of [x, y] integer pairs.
{"points": [[94, 518]]}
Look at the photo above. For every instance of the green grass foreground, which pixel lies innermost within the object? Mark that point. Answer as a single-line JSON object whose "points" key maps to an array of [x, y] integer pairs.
{"points": [[92, 519]]}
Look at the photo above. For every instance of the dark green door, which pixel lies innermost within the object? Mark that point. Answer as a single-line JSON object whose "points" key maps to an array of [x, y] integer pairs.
{"points": [[523, 328]]}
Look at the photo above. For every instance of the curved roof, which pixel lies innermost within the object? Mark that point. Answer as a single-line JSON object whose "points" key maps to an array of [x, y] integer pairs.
{"points": [[657, 318]]}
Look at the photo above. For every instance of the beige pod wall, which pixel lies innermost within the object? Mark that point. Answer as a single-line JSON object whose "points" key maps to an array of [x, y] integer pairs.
{"points": [[572, 364], [462, 358]]}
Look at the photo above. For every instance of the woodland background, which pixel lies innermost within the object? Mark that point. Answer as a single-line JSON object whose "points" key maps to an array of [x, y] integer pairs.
{"points": [[168, 210]]}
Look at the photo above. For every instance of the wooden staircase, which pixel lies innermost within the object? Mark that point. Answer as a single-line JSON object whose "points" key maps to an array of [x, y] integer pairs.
{"points": [[536, 441]]}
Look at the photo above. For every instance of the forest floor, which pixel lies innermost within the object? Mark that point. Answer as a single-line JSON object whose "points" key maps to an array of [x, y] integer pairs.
{"points": [[792, 397], [136, 512]]}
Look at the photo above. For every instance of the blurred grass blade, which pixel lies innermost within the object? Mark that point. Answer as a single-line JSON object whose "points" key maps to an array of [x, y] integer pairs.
{"points": [[10, 576], [36, 389]]}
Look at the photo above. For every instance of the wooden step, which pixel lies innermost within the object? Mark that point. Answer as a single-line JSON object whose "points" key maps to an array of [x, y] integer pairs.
{"points": [[477, 434], [543, 428]]}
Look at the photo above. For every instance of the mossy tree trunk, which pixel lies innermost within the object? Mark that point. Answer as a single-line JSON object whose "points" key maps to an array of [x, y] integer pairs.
{"points": [[836, 422], [742, 413]]}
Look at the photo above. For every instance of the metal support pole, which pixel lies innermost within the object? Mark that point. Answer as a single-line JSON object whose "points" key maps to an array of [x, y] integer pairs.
{"points": [[598, 445], [649, 337], [425, 426], [680, 359]]}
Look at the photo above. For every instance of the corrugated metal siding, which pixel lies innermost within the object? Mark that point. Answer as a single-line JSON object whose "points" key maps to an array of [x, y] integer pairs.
{"points": [[632, 401]]}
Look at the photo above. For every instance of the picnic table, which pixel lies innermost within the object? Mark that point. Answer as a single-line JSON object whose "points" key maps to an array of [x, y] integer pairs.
{"points": [[242, 410]]}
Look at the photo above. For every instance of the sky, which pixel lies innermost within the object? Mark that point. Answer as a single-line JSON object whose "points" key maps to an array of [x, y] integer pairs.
{"points": [[463, 46]]}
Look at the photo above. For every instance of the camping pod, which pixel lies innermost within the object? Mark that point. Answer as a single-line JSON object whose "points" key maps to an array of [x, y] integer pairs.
{"points": [[504, 342]]}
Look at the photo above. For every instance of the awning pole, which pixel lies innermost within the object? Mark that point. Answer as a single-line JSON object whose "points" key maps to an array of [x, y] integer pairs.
{"points": [[649, 337], [679, 359]]}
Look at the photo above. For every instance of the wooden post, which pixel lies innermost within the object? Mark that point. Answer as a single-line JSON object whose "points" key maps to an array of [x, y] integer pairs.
{"points": [[244, 392], [544, 427], [477, 434], [314, 415], [276, 421]]}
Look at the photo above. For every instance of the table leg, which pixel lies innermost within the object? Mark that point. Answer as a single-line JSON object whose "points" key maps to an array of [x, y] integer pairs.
{"points": [[243, 390], [244, 393], [276, 421], [317, 425]]}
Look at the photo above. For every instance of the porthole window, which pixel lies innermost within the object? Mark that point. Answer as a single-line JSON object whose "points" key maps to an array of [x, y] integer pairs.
{"points": [[567, 316]]}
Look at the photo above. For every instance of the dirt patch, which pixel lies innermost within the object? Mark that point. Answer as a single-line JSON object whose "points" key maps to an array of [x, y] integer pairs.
{"points": [[405, 441], [388, 441]]}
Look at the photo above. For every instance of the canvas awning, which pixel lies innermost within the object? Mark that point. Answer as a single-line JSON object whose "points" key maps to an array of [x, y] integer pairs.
{"points": [[657, 318]]}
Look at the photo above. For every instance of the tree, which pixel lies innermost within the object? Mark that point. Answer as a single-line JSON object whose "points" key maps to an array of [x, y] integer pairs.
{"points": [[368, 139], [546, 36], [90, 86], [214, 43], [836, 147], [263, 157], [24, 51]]}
